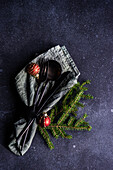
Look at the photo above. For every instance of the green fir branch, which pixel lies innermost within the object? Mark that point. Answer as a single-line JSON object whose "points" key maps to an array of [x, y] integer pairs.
{"points": [[79, 104], [81, 120], [64, 116], [46, 136], [88, 96], [54, 132], [71, 121]]}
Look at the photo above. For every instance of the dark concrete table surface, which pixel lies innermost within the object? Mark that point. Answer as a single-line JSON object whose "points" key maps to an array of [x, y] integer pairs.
{"points": [[86, 29]]}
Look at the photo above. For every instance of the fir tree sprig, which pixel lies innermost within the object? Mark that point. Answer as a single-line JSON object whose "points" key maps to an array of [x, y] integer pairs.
{"points": [[46, 136], [64, 116]]}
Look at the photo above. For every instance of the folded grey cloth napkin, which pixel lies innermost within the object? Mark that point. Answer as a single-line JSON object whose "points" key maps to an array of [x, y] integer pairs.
{"points": [[27, 86]]}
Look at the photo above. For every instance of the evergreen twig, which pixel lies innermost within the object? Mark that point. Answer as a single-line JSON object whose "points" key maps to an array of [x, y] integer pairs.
{"points": [[65, 117]]}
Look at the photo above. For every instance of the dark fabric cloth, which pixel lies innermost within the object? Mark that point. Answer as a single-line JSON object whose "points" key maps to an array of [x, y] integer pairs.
{"points": [[27, 86]]}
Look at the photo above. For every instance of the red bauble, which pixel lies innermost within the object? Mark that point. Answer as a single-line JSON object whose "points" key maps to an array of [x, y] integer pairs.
{"points": [[45, 120], [33, 69]]}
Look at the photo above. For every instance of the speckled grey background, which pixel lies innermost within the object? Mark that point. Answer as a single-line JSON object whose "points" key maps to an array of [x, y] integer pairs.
{"points": [[86, 29]]}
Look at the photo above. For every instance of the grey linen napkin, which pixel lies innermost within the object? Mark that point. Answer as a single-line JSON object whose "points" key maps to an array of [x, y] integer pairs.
{"points": [[23, 80]]}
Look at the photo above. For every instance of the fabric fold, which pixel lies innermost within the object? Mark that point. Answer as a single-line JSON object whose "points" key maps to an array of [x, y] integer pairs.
{"points": [[16, 147]]}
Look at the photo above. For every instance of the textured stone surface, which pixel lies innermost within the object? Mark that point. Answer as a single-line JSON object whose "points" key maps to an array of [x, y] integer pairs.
{"points": [[86, 29]]}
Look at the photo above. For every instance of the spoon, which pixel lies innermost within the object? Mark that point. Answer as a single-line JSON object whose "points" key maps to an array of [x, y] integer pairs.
{"points": [[53, 73]]}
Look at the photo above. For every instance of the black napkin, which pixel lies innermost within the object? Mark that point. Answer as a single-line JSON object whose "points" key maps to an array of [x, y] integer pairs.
{"points": [[27, 86]]}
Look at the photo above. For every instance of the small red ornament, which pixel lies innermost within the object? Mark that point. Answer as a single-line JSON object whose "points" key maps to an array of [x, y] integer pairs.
{"points": [[33, 69], [45, 120]]}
